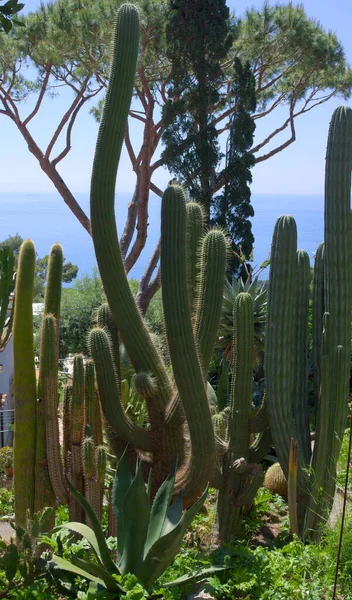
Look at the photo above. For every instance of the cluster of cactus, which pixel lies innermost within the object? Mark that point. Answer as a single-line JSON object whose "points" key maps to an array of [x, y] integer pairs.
{"points": [[7, 286], [177, 395], [40, 472], [287, 333], [224, 449]]}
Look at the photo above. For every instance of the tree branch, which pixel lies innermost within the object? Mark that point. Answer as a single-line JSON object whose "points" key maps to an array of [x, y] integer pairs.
{"points": [[40, 97], [146, 290], [65, 118], [67, 148]]}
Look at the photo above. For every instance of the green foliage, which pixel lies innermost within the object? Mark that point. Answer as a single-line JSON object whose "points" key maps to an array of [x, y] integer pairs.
{"points": [[286, 32], [20, 561], [7, 502], [259, 293], [342, 462], [232, 208], [7, 286], [78, 308], [13, 242], [198, 37], [7, 15], [6, 457]]}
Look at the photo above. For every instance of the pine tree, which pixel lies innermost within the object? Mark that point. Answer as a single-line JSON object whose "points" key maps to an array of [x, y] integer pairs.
{"points": [[199, 36], [232, 209]]}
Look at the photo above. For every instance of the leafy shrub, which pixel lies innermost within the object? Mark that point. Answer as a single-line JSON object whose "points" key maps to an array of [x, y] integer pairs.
{"points": [[7, 500]]}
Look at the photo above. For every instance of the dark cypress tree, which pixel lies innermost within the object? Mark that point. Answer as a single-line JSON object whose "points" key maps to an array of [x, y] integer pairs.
{"points": [[199, 36], [232, 209]]}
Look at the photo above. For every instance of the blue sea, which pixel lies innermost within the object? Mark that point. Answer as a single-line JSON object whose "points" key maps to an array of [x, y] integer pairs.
{"points": [[46, 219]]}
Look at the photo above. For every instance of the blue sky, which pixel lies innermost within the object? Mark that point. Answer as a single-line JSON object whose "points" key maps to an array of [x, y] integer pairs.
{"points": [[297, 170]]}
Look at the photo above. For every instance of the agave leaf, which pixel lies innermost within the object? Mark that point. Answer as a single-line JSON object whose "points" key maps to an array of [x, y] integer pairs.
{"points": [[173, 515], [104, 555], [65, 565], [122, 483], [134, 520], [98, 571], [162, 553], [197, 575], [159, 510], [85, 532]]}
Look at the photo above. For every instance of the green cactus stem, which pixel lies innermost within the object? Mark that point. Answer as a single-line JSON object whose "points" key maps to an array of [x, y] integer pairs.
{"points": [[317, 321], [240, 485], [195, 232], [280, 336], [183, 352], [25, 386], [77, 418], [48, 392], [49, 398]]}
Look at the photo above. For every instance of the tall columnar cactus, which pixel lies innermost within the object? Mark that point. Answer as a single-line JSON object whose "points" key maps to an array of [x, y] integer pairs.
{"points": [[243, 478], [193, 265], [25, 386], [286, 338], [47, 405]]}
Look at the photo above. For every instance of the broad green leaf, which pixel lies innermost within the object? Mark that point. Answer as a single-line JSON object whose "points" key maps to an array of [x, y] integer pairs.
{"points": [[85, 532], [134, 519], [197, 575], [65, 565], [173, 515], [159, 511], [162, 553], [100, 538], [122, 483], [110, 583]]}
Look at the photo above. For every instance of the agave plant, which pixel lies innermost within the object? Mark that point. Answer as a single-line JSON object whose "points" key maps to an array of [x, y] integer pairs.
{"points": [[149, 535], [259, 293]]}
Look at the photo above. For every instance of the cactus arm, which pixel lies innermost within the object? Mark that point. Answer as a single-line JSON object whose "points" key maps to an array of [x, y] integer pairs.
{"points": [[241, 390], [300, 390], [44, 493], [259, 421], [322, 445], [261, 446], [338, 259], [195, 232], [210, 292], [129, 321], [110, 397], [280, 335], [106, 321], [238, 428], [66, 424], [92, 404], [77, 418], [187, 370], [52, 297], [317, 321], [25, 386], [49, 398]]}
